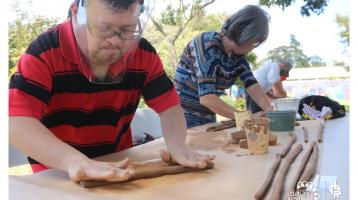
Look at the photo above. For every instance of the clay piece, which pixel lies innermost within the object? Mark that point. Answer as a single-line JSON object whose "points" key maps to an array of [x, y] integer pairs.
{"points": [[289, 144], [305, 134], [260, 194], [234, 141], [279, 182], [311, 165], [148, 169], [320, 133], [238, 135], [222, 126], [301, 167], [272, 139], [243, 144]]}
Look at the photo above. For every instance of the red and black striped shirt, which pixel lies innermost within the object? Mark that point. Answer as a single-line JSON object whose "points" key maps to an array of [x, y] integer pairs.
{"points": [[93, 118]]}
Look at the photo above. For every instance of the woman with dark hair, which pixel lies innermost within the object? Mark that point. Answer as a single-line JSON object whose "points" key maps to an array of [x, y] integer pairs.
{"points": [[212, 62]]}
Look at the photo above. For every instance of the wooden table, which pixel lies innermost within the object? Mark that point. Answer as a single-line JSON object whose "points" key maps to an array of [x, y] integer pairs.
{"points": [[235, 175]]}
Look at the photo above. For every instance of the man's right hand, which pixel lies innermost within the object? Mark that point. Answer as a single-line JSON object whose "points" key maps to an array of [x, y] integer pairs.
{"points": [[88, 169]]}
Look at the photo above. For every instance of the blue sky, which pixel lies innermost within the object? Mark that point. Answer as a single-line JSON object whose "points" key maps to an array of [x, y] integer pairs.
{"points": [[317, 34]]}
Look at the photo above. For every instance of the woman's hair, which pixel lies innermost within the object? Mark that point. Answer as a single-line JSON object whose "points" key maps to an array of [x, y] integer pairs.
{"points": [[249, 24]]}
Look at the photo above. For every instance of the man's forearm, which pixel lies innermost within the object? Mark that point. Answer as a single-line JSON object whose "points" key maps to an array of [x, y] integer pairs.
{"points": [[218, 106], [271, 96], [278, 90], [35, 140], [173, 126]]}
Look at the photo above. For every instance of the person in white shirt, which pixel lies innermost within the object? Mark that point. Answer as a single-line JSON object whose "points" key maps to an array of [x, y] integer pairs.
{"points": [[270, 77]]}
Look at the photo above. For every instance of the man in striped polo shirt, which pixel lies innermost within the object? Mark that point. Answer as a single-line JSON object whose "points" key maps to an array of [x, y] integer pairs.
{"points": [[78, 85]]}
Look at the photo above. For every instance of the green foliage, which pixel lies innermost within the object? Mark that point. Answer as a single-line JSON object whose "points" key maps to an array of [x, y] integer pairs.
{"points": [[252, 59], [238, 104], [176, 26], [171, 16], [343, 24], [295, 54], [342, 64], [22, 31], [310, 6], [316, 61]]}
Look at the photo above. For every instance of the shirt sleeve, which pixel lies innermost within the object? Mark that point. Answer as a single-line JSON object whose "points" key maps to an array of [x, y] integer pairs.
{"points": [[159, 92], [29, 89], [273, 73], [245, 74]]}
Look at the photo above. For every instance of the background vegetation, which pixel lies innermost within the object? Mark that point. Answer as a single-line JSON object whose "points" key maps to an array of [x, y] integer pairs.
{"points": [[171, 30]]}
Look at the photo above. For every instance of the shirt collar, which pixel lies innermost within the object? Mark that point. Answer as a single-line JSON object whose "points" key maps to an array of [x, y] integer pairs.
{"points": [[68, 43]]}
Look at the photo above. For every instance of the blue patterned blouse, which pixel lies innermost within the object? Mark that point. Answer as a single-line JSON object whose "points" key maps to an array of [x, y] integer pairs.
{"points": [[205, 68]]}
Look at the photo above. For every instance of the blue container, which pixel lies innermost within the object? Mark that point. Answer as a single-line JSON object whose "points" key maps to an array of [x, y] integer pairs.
{"points": [[282, 120]]}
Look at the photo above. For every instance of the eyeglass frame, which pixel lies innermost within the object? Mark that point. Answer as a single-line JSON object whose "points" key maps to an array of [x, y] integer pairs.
{"points": [[119, 34]]}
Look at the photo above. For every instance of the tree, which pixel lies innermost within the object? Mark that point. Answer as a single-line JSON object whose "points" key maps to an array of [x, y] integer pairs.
{"points": [[172, 26], [316, 61], [293, 53], [343, 24], [22, 31], [252, 59], [310, 6]]}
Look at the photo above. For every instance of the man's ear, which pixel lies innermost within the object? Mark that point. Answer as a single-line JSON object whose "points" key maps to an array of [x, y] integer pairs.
{"points": [[74, 9]]}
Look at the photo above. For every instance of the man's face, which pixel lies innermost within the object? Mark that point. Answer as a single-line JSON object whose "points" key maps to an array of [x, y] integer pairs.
{"points": [[110, 34]]}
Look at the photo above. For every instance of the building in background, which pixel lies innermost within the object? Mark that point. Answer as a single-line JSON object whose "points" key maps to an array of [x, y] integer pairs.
{"points": [[332, 82]]}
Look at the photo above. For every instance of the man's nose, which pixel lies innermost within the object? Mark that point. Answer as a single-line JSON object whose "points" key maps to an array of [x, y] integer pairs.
{"points": [[115, 40]]}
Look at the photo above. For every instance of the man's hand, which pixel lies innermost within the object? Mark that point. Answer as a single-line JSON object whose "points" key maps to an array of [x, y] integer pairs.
{"points": [[95, 170], [186, 157], [174, 132]]}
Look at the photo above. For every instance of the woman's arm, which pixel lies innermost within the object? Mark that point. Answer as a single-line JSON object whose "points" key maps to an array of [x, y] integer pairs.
{"points": [[259, 96], [218, 106]]}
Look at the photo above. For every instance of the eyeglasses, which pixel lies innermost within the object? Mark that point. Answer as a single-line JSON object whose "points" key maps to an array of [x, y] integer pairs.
{"points": [[107, 32], [256, 44]]}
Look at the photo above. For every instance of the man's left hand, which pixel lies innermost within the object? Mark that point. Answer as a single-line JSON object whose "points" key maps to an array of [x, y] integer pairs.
{"points": [[186, 157]]}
